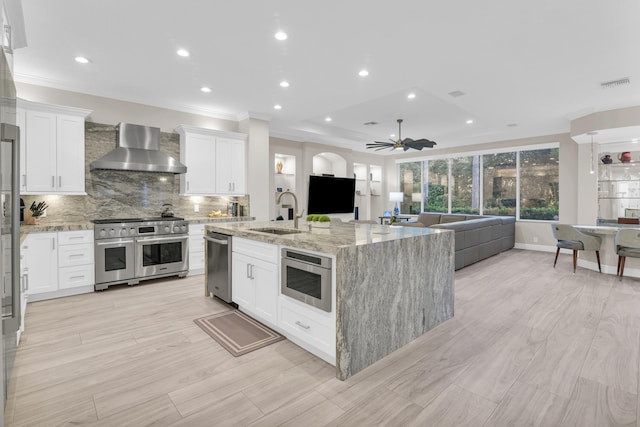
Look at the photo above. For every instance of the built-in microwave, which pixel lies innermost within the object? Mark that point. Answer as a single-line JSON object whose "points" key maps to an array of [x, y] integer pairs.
{"points": [[307, 278]]}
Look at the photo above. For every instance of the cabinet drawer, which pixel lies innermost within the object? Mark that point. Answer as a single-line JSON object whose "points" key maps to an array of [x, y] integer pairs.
{"points": [[71, 255], [196, 229], [264, 251], [196, 244], [75, 237], [196, 260], [318, 334], [72, 277]]}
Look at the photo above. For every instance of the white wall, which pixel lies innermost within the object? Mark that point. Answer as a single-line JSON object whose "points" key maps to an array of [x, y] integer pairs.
{"points": [[258, 166]]}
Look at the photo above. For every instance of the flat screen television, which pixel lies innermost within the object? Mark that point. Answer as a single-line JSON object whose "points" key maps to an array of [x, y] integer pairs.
{"points": [[328, 194]]}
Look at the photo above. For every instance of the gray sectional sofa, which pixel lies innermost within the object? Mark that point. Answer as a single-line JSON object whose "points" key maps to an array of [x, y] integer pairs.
{"points": [[476, 237]]}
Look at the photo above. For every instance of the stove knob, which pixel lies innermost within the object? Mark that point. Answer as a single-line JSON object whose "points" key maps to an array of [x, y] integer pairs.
{"points": [[176, 228], [184, 228], [112, 232], [132, 231], [123, 232], [167, 229], [103, 232]]}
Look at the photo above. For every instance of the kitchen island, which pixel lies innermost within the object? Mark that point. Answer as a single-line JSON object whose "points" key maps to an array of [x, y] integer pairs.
{"points": [[391, 284]]}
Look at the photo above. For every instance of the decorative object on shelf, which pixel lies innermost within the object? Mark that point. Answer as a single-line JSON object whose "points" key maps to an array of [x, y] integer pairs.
{"points": [[624, 157], [402, 144], [396, 196], [279, 167], [606, 159]]}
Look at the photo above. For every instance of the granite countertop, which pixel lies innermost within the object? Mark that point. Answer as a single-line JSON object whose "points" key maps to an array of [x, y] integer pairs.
{"points": [[329, 238], [605, 229], [51, 225]]}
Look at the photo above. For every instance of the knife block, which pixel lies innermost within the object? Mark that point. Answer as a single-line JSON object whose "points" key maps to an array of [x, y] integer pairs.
{"points": [[29, 219]]}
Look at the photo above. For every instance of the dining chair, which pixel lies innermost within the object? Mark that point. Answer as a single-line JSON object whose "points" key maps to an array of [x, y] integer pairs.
{"points": [[569, 237], [627, 244]]}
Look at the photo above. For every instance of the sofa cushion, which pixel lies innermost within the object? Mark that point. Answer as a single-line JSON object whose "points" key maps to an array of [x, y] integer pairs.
{"points": [[429, 218], [447, 218]]}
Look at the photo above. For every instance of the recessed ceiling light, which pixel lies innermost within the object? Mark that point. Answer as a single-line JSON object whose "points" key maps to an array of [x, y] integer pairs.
{"points": [[82, 59], [327, 119], [278, 107], [281, 35], [512, 125], [411, 95], [205, 89], [363, 73], [284, 83], [469, 121], [183, 52], [393, 135]]}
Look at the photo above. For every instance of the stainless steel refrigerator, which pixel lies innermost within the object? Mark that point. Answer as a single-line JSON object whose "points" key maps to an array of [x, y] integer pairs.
{"points": [[9, 222]]}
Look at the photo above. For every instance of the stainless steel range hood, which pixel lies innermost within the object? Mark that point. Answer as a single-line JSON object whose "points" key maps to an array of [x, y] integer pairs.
{"points": [[138, 149]]}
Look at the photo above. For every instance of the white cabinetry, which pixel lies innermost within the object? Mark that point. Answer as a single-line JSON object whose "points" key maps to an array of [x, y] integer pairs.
{"points": [[59, 264], [230, 166], [255, 279], [42, 262], [215, 161], [53, 148], [196, 249], [308, 327]]}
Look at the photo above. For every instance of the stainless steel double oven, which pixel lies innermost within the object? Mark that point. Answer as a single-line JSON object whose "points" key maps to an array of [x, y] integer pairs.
{"points": [[133, 249]]}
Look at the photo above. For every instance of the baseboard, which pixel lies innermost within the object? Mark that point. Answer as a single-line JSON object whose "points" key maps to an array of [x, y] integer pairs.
{"points": [[60, 293]]}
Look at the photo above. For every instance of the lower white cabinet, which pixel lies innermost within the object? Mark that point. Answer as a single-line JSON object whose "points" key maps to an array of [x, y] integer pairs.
{"points": [[59, 264], [254, 274], [196, 249], [308, 327]]}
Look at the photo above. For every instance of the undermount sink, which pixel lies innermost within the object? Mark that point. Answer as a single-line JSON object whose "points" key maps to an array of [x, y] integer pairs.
{"points": [[271, 230]]}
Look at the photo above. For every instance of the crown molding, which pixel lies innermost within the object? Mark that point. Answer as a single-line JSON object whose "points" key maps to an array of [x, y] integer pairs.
{"points": [[186, 129], [253, 115]]}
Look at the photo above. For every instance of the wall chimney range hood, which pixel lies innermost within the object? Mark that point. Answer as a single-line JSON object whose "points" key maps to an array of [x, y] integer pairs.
{"points": [[138, 149]]}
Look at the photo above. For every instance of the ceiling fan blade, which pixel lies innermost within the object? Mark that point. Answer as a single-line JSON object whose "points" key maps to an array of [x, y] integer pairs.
{"points": [[420, 144], [407, 140]]}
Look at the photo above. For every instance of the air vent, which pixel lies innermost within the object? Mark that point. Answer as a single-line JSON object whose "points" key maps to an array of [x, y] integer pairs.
{"points": [[371, 123], [512, 125], [615, 83], [456, 93]]}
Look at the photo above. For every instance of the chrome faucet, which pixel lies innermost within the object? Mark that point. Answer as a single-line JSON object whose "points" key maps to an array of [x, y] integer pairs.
{"points": [[295, 207]]}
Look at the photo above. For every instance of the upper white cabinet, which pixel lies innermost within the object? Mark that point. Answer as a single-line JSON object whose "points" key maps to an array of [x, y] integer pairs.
{"points": [[230, 166], [53, 154], [215, 161]]}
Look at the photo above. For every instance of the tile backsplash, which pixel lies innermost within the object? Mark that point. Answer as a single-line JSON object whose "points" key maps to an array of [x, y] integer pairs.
{"points": [[124, 194]]}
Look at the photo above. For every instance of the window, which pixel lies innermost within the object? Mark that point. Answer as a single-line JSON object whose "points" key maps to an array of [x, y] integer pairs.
{"points": [[539, 184], [499, 183], [410, 181], [436, 187], [518, 183], [465, 185]]}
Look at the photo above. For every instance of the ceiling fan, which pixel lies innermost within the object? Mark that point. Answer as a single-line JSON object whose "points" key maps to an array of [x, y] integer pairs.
{"points": [[403, 144]]}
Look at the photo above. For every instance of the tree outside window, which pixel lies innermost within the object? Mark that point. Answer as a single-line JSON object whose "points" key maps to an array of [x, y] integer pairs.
{"points": [[465, 185], [499, 184], [436, 188], [410, 181], [539, 177]]}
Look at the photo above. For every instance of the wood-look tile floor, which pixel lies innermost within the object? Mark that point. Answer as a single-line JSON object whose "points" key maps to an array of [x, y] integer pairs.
{"points": [[529, 345]]}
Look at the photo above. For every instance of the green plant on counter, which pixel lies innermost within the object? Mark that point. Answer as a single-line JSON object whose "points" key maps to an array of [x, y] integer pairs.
{"points": [[318, 218]]}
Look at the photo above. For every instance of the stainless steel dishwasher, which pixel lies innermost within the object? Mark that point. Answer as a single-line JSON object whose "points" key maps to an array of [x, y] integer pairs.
{"points": [[218, 252]]}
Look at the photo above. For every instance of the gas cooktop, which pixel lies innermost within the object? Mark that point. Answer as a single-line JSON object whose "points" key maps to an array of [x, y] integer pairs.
{"points": [[125, 220]]}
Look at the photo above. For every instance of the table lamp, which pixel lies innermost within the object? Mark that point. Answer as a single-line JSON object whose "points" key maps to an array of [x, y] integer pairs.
{"points": [[396, 196]]}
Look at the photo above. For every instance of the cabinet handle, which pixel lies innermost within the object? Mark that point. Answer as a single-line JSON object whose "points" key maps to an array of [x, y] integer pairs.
{"points": [[26, 281], [53, 181], [76, 277], [302, 325], [59, 181], [76, 255], [251, 269], [24, 180], [187, 185], [248, 276], [53, 244]]}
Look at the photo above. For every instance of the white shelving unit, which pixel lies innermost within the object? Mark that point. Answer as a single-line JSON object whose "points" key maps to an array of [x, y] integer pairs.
{"points": [[362, 197], [375, 191], [284, 178], [619, 190]]}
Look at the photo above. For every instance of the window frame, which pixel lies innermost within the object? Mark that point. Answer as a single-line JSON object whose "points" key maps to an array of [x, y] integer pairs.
{"points": [[449, 158]]}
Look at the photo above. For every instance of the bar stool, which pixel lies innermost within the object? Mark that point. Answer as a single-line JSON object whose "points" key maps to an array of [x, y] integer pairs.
{"points": [[627, 243], [569, 237]]}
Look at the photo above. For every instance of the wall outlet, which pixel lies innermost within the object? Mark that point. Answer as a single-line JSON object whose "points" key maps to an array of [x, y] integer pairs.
{"points": [[535, 239], [196, 208]]}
